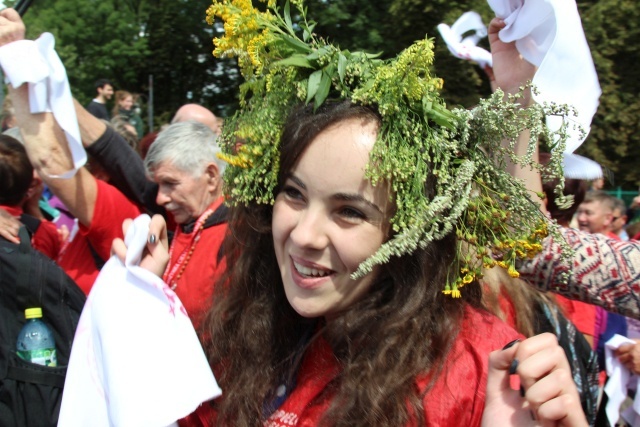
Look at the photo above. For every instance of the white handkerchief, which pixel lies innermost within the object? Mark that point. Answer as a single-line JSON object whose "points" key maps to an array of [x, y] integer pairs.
{"points": [[136, 359], [466, 48], [549, 34], [38, 64], [620, 380]]}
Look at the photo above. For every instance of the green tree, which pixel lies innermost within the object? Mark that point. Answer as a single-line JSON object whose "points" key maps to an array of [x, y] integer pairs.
{"points": [[613, 29], [126, 41]]}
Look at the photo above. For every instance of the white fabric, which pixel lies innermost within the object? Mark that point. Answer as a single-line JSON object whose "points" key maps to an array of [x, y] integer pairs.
{"points": [[578, 167], [549, 34], [620, 379], [466, 48], [38, 64], [136, 360]]}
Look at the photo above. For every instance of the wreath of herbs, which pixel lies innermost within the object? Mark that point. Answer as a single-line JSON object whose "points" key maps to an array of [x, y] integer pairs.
{"points": [[492, 214]]}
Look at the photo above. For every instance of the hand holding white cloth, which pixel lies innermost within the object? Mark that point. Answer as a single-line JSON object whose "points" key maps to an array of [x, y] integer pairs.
{"points": [[620, 379], [136, 359], [548, 34], [37, 63]]}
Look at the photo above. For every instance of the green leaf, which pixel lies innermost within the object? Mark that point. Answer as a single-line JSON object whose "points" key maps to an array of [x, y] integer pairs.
{"points": [[295, 60], [313, 84], [441, 116], [373, 55], [295, 43], [287, 15], [342, 66], [323, 90]]}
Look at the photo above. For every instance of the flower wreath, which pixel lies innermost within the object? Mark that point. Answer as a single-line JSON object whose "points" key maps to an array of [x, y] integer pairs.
{"points": [[285, 63]]}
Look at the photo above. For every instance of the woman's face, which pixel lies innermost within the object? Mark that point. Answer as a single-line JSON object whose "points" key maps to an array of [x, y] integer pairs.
{"points": [[126, 103], [328, 219]]}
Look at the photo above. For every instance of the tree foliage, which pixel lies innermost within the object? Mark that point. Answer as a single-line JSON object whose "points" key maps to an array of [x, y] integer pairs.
{"points": [[126, 41]]}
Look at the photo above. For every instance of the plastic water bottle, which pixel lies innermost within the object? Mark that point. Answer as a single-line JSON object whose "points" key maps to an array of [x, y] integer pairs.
{"points": [[36, 343]]}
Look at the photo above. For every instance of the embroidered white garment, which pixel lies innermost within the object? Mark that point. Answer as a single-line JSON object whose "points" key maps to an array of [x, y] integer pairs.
{"points": [[136, 360], [620, 379], [466, 48], [37, 63]]}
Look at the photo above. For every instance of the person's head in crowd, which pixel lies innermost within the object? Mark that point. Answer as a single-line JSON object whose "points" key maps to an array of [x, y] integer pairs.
{"points": [[126, 130], [595, 213], [197, 113], [597, 184], [8, 115], [145, 143], [183, 161], [123, 101], [104, 90], [619, 220], [16, 172], [572, 187]]}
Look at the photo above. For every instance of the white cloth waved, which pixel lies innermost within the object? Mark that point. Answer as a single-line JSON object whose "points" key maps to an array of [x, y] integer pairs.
{"points": [[466, 48], [37, 63], [136, 359], [549, 34], [620, 380]]}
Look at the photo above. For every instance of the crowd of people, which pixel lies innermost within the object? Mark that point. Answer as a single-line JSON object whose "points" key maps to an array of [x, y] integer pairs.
{"points": [[292, 333]]}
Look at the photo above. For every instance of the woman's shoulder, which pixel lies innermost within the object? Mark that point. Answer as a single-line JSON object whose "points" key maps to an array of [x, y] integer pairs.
{"points": [[485, 330], [457, 396]]}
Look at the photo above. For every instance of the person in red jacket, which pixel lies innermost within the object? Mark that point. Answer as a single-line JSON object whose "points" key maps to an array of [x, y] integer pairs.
{"points": [[17, 183]]}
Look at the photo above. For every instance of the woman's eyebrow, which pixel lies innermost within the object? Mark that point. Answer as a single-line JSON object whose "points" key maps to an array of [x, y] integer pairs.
{"points": [[344, 197], [297, 181], [358, 198]]}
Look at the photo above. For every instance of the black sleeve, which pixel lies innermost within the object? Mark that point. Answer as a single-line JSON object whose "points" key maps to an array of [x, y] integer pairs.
{"points": [[126, 170]]}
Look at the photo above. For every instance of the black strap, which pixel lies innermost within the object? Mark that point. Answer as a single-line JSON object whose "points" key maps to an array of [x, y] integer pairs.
{"points": [[31, 222], [97, 259], [36, 376], [23, 269]]}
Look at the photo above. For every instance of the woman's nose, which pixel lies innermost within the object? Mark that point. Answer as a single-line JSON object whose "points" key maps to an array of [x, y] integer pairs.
{"points": [[310, 230]]}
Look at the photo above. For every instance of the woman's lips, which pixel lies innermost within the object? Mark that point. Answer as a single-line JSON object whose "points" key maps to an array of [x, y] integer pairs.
{"points": [[308, 275]]}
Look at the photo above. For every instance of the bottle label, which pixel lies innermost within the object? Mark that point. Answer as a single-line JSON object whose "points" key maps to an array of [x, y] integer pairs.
{"points": [[42, 356]]}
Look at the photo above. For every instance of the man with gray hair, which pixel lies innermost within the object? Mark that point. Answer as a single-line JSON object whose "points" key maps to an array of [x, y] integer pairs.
{"points": [[183, 163], [185, 186]]}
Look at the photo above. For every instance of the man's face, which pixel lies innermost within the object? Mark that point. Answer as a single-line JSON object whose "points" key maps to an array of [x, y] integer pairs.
{"points": [[619, 221], [106, 91], [181, 193], [594, 217]]}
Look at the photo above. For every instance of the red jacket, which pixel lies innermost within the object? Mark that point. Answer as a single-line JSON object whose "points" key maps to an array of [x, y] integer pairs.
{"points": [[456, 399]]}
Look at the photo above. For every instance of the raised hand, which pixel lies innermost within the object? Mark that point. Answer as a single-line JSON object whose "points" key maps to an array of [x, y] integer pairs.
{"points": [[11, 26], [510, 69], [548, 396]]}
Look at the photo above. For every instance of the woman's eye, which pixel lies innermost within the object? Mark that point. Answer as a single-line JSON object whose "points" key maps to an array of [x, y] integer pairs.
{"points": [[352, 213], [292, 193]]}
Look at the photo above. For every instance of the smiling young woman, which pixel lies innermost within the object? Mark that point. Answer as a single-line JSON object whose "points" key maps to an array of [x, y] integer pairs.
{"points": [[318, 346]]}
